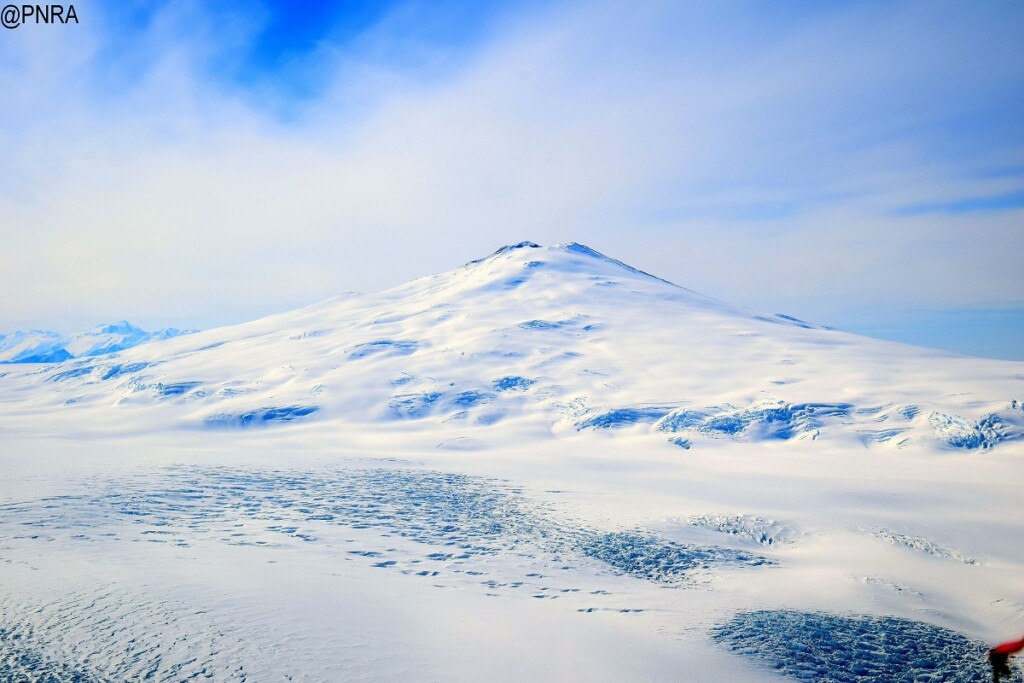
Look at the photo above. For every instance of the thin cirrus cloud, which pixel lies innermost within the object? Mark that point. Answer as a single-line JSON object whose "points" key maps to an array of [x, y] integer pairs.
{"points": [[1001, 202], [186, 165]]}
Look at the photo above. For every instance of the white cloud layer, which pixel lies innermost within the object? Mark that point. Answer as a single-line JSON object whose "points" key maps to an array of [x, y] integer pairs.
{"points": [[751, 155]]}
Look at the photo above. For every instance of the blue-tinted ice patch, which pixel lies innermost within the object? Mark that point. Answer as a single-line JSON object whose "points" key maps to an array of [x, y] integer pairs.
{"points": [[909, 412], [261, 416], [854, 649], [655, 559], [465, 399], [623, 417], [392, 347], [544, 324], [960, 433], [776, 420], [175, 388], [575, 323], [513, 383], [72, 373], [725, 424], [414, 405], [681, 442], [115, 371], [678, 420], [788, 420]]}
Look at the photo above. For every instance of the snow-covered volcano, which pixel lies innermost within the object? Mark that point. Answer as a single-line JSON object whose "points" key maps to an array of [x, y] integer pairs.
{"points": [[635, 482], [537, 341]]}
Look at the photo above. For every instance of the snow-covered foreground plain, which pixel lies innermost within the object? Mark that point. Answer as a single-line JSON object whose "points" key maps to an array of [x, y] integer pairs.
{"points": [[541, 466]]}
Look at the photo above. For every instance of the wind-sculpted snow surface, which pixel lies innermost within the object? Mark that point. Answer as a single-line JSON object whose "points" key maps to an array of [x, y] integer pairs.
{"points": [[921, 545], [648, 557], [758, 529], [102, 633], [834, 648], [19, 663], [478, 516], [423, 524]]}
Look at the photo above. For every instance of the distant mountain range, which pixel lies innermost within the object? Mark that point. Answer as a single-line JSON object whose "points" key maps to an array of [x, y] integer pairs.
{"points": [[43, 346]]}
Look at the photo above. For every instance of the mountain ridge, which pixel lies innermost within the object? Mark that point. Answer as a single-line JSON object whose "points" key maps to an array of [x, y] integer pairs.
{"points": [[47, 346]]}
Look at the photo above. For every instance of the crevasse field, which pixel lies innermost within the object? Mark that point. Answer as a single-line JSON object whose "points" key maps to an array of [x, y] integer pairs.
{"points": [[544, 465]]}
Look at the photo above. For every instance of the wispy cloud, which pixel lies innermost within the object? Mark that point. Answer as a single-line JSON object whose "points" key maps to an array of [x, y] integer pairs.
{"points": [[182, 167], [1001, 202]]}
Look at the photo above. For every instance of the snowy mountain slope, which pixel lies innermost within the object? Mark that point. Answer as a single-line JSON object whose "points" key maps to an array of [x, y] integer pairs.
{"points": [[40, 346], [543, 341], [268, 501]]}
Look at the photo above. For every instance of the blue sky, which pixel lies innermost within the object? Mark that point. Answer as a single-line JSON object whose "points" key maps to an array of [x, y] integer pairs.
{"points": [[202, 163]]}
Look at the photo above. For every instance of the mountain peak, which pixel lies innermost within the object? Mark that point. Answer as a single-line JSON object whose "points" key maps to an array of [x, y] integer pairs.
{"points": [[568, 248], [120, 327], [504, 250]]}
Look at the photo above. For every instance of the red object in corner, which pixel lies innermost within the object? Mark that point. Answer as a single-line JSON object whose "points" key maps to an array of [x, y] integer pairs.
{"points": [[1008, 648]]}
